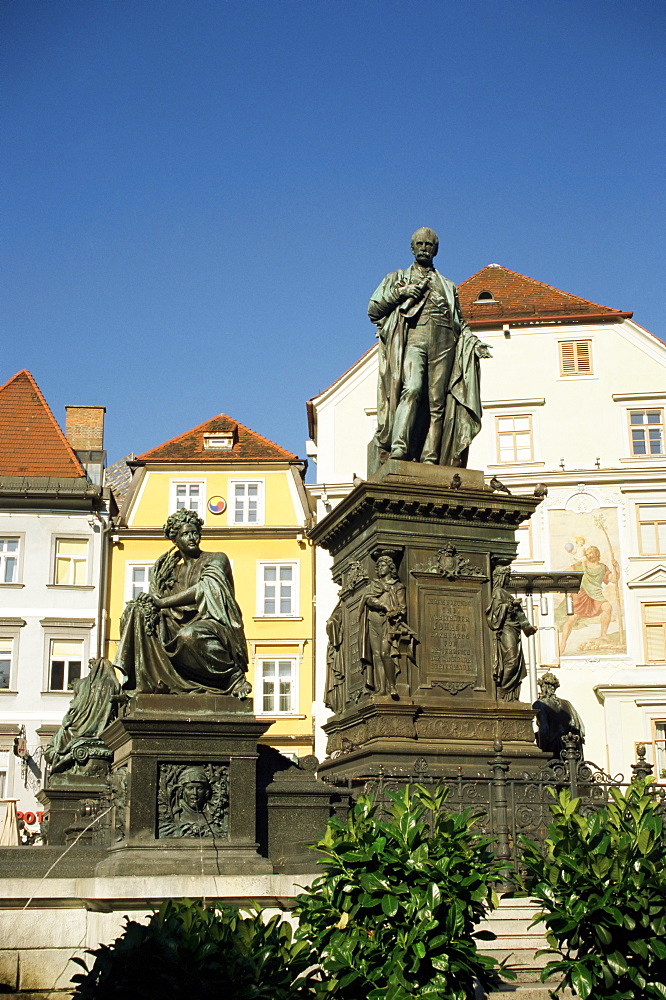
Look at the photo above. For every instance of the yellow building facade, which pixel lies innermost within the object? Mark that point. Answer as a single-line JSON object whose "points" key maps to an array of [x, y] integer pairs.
{"points": [[250, 495]]}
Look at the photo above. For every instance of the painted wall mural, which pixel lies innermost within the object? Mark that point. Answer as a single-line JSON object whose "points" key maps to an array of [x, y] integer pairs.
{"points": [[588, 542]]}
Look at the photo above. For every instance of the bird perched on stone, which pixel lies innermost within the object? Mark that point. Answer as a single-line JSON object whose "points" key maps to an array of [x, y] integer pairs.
{"points": [[456, 482], [356, 480], [499, 487], [540, 490]]}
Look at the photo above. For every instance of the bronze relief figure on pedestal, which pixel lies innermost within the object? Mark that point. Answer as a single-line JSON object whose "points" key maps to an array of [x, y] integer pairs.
{"points": [[507, 619], [383, 629]]}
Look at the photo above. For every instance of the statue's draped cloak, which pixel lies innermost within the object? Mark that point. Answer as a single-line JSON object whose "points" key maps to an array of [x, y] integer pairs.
{"points": [[556, 717], [89, 711], [197, 648], [509, 668], [335, 665], [375, 623], [462, 414]]}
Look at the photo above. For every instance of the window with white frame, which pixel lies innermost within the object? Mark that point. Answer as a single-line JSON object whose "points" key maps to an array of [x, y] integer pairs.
{"points": [[65, 663], [137, 579], [277, 687], [524, 542], [71, 562], [514, 438], [278, 589], [223, 440], [654, 625], [652, 529], [247, 502], [660, 747], [6, 653], [646, 429], [188, 496], [9, 559]]}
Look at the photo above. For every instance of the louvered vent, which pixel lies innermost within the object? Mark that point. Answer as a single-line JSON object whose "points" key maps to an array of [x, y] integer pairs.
{"points": [[575, 357]]}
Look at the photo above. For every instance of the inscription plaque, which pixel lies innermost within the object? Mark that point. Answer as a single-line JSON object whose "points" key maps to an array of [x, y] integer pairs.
{"points": [[451, 654], [355, 676], [449, 623]]}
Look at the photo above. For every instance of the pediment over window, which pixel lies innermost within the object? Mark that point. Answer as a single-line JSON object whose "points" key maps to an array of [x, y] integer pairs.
{"points": [[655, 577]]}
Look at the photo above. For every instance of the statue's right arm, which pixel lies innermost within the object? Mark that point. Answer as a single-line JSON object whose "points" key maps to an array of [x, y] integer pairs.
{"points": [[389, 295]]}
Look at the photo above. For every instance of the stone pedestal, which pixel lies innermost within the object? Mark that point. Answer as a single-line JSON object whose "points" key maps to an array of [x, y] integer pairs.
{"points": [[71, 802], [299, 807], [446, 532], [165, 748]]}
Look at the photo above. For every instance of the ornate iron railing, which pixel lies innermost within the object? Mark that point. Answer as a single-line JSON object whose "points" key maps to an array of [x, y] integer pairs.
{"points": [[511, 805]]}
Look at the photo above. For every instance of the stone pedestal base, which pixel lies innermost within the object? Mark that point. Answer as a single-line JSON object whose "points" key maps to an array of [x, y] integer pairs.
{"points": [[71, 802], [452, 740], [299, 807], [426, 619], [184, 774]]}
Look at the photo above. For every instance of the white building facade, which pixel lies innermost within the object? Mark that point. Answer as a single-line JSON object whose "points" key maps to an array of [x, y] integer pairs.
{"points": [[574, 398], [53, 523]]}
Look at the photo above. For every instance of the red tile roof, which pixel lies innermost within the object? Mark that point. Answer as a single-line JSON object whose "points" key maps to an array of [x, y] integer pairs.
{"points": [[248, 446], [31, 442], [517, 297]]}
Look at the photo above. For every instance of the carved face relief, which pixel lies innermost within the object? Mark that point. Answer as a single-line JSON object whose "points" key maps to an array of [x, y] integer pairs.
{"points": [[386, 567], [193, 800], [196, 794]]}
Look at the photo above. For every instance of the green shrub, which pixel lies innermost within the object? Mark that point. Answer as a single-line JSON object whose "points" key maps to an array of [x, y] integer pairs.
{"points": [[394, 915], [188, 948], [602, 887]]}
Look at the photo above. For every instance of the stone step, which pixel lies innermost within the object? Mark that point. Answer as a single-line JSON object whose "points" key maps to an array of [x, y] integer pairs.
{"points": [[526, 991], [517, 942], [519, 961]]}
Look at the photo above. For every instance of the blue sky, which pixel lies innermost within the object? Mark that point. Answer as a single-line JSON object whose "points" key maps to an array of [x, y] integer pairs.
{"points": [[199, 197]]}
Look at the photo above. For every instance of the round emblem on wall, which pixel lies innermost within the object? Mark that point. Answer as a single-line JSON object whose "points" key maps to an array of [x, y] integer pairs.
{"points": [[217, 505]]}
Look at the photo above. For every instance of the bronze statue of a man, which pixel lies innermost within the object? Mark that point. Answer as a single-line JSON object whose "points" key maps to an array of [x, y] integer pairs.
{"points": [[428, 396], [556, 717]]}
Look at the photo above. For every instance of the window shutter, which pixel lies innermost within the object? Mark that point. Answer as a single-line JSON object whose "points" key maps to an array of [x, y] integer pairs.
{"points": [[575, 357]]}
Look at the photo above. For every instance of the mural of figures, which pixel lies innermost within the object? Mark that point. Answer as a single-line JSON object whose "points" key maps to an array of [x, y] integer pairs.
{"points": [[588, 543]]}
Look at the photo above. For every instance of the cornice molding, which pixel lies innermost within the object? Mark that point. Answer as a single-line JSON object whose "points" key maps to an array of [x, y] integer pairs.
{"points": [[424, 505]]}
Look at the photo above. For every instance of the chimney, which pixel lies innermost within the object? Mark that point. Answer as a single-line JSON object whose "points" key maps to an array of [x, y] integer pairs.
{"points": [[84, 429]]}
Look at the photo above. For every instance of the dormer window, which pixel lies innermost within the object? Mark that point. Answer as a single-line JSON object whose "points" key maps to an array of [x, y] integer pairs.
{"points": [[485, 296], [219, 440]]}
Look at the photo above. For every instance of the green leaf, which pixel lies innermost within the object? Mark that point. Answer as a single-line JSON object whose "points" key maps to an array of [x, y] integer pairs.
{"points": [[581, 980], [389, 905], [434, 895], [603, 934], [618, 963]]}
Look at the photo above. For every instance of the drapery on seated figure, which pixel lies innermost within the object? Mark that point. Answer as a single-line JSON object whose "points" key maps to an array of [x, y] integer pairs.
{"points": [[383, 627], [92, 708], [507, 619], [555, 717], [428, 396], [187, 634]]}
